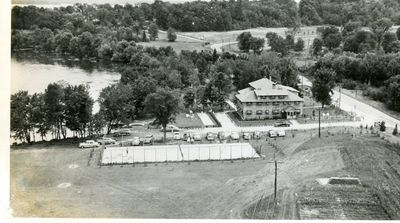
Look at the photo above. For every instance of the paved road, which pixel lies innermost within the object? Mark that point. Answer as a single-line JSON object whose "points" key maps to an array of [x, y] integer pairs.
{"points": [[368, 114]]}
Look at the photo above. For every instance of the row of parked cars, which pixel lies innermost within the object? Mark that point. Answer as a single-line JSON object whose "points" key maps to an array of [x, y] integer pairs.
{"points": [[194, 136]]}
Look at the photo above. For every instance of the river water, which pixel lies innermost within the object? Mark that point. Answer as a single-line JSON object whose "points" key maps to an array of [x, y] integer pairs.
{"points": [[33, 73]]}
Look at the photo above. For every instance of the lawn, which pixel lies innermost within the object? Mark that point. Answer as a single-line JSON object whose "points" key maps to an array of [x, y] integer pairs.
{"points": [[58, 182], [182, 121], [181, 43]]}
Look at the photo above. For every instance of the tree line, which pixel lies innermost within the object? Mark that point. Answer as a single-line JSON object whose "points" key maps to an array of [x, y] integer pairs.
{"points": [[339, 12], [377, 38], [188, 16], [377, 74]]}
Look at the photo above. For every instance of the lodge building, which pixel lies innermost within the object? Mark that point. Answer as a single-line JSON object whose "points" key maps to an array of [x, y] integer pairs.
{"points": [[265, 99]]}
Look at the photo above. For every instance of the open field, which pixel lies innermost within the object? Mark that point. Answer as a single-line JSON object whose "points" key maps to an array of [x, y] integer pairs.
{"points": [[182, 121], [61, 181], [181, 43]]}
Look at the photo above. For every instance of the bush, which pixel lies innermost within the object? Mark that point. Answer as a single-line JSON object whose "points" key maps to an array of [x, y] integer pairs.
{"points": [[377, 94], [382, 126], [349, 84]]}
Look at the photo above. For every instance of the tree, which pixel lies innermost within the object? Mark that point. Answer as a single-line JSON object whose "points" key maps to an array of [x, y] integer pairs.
{"points": [[171, 35], [38, 115], [244, 41], [289, 41], [333, 40], [317, 46], [387, 41], [78, 104], [55, 108], [117, 105], [277, 43], [324, 82], [163, 105], [144, 37], [153, 31], [61, 41], [20, 116], [299, 45], [392, 89], [380, 27], [257, 44], [188, 98], [382, 126]]}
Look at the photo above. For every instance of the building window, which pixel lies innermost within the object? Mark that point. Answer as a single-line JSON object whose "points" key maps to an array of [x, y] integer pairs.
{"points": [[284, 103], [272, 97], [281, 97], [275, 112], [259, 103], [249, 103], [267, 112], [259, 112], [275, 103], [296, 102], [249, 112], [288, 103]]}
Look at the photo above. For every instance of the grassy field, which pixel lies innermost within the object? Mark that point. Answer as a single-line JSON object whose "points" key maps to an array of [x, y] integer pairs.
{"points": [[62, 181], [181, 43], [182, 121]]}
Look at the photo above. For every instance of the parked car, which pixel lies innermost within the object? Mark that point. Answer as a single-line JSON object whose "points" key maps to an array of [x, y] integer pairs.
{"points": [[106, 141], [171, 128], [210, 136], [257, 135], [281, 133], [148, 139], [197, 137], [122, 132], [235, 136], [177, 135], [136, 124], [272, 133], [187, 135], [281, 124], [246, 136], [136, 141], [89, 144], [222, 135]]}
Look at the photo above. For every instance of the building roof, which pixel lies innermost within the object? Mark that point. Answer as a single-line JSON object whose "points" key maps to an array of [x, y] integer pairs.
{"points": [[266, 87]]}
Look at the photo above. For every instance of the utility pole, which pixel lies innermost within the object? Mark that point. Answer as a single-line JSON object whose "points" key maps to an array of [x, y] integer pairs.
{"points": [[319, 123], [276, 174], [276, 180]]}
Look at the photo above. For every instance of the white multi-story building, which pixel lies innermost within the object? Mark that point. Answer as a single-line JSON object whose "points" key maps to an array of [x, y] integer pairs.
{"points": [[265, 99]]}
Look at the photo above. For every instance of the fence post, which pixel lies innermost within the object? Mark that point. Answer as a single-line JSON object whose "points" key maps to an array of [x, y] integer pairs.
{"points": [[209, 152], [231, 155], [144, 157], [155, 157]]}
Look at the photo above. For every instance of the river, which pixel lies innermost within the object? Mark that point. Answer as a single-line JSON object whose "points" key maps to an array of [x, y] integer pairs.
{"points": [[33, 73]]}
